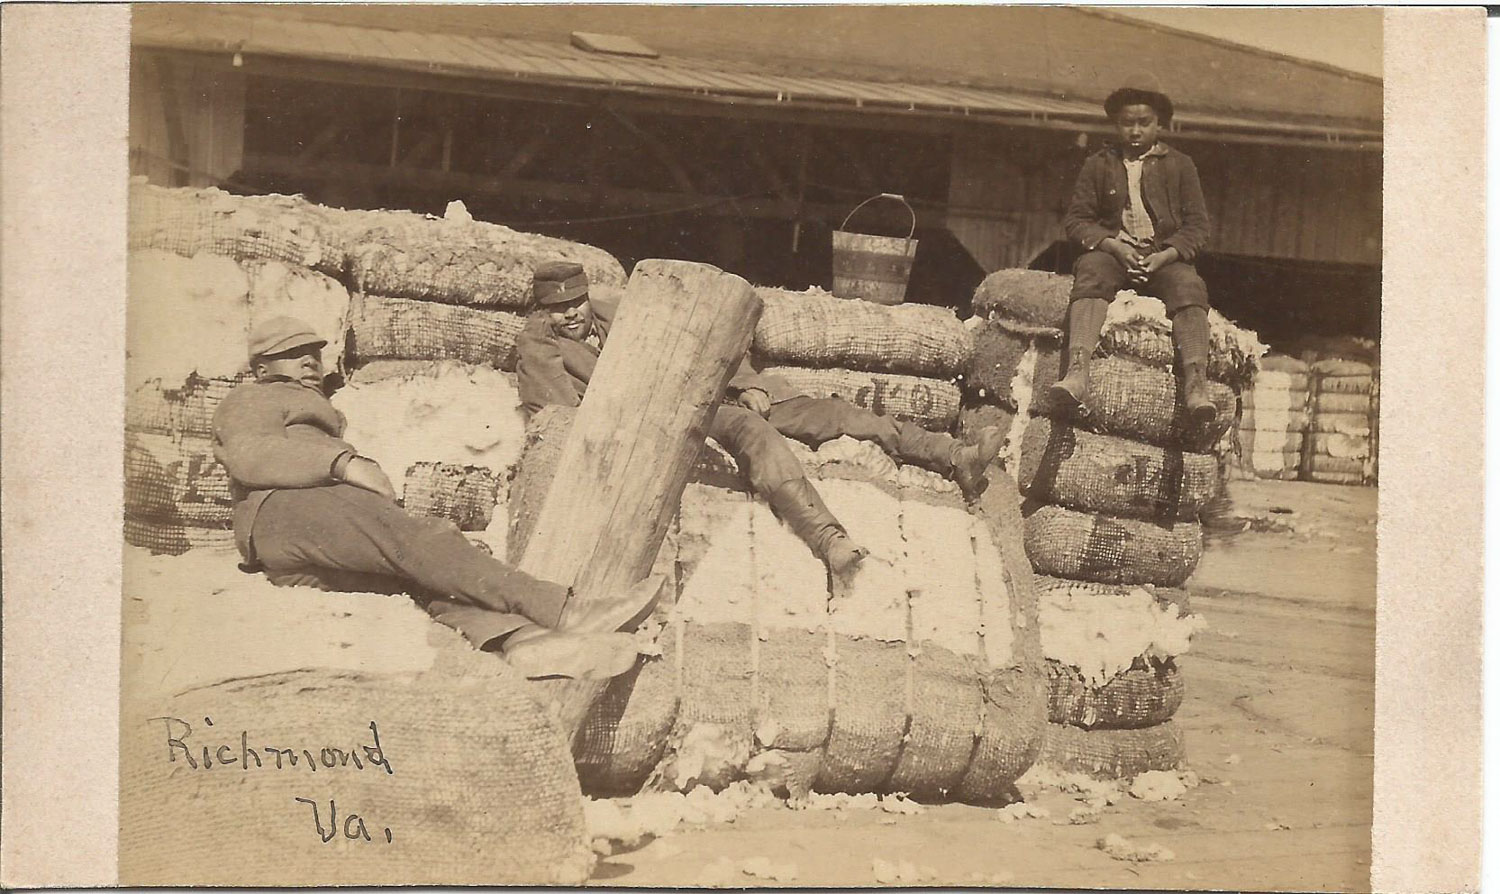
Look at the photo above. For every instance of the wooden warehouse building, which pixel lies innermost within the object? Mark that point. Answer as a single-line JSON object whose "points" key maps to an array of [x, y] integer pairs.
{"points": [[742, 136]]}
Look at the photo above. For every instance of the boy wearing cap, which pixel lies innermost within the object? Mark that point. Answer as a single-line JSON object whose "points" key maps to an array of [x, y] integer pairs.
{"points": [[560, 345], [310, 510], [1138, 209]]}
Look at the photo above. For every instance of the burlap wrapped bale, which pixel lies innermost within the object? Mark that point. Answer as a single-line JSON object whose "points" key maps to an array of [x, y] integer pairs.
{"points": [[1146, 695], [930, 403], [459, 261], [1337, 368], [1027, 296], [1280, 465], [172, 478], [1165, 596], [1099, 473], [1342, 468], [386, 328], [172, 536], [760, 664], [1340, 402], [1327, 385], [816, 329], [189, 222], [1138, 326], [999, 354], [465, 495], [186, 410], [1141, 402], [1112, 753], [1341, 446], [1259, 441], [1353, 424], [974, 418], [480, 788], [1104, 549]]}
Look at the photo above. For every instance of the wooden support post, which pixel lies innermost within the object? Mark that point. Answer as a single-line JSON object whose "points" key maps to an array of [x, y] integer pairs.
{"points": [[679, 334]]}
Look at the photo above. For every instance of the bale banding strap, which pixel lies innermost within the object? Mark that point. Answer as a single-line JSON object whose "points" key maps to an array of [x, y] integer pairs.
{"points": [[388, 328], [1106, 549], [1134, 400], [1147, 694], [816, 329], [930, 403], [459, 262], [1026, 296], [1114, 476], [189, 222], [465, 495], [1112, 753]]}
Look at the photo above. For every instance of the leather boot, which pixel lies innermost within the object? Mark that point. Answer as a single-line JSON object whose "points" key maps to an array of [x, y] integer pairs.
{"points": [[1085, 320], [538, 652], [798, 504], [624, 611], [1200, 407], [970, 461]]}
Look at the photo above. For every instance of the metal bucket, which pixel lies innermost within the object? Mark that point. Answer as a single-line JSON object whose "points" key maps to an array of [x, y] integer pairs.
{"points": [[874, 268]]}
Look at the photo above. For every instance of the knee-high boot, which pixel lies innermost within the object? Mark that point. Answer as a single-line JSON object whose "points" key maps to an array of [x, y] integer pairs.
{"points": [[1085, 320], [798, 504], [1190, 333]]}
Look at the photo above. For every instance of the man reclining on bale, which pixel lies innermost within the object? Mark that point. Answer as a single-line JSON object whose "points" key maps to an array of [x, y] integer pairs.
{"points": [[310, 510], [559, 347]]}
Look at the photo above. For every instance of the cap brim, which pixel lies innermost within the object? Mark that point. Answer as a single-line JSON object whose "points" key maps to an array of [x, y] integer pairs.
{"points": [[564, 295], [291, 343]]}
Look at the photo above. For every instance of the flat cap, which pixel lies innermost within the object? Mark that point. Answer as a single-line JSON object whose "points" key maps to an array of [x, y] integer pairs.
{"points": [[558, 282], [274, 335]]}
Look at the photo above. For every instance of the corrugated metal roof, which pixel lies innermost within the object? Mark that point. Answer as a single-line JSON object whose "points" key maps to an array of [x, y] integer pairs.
{"points": [[561, 64]]}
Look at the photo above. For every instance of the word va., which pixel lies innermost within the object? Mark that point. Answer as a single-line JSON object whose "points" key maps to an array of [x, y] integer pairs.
{"points": [[354, 824], [200, 756]]}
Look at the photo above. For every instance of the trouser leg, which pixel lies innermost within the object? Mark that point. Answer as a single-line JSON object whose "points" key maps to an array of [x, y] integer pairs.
{"points": [[931, 450], [815, 420], [345, 529], [759, 449]]}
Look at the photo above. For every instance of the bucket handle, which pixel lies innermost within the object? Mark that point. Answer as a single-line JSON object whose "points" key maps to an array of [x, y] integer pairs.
{"points": [[888, 195]]}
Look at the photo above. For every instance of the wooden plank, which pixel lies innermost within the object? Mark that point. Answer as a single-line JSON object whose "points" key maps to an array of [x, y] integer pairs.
{"points": [[679, 335]]}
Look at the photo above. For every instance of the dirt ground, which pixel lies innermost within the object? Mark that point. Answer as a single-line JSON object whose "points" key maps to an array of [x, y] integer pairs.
{"points": [[1279, 722]]}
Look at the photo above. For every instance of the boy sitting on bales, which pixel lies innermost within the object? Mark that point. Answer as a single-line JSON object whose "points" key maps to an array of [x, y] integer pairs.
{"points": [[1138, 210]]}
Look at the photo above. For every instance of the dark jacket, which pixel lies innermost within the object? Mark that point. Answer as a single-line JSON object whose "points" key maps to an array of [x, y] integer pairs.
{"points": [[1169, 186], [552, 370], [274, 435]]}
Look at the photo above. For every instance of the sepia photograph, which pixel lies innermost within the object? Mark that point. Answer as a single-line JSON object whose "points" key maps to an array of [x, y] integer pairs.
{"points": [[751, 446]]}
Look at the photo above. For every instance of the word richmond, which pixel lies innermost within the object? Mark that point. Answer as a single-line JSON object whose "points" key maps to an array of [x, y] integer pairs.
{"points": [[200, 755]]}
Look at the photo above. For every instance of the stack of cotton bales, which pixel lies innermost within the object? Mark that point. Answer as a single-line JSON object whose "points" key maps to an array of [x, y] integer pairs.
{"points": [[1274, 421], [1340, 446], [919, 673], [1112, 504], [205, 267], [900, 360]]}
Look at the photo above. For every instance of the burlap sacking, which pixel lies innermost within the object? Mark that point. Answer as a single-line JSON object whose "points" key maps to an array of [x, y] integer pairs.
{"points": [[1341, 402], [1112, 753], [465, 495], [1165, 596], [1336, 368], [1105, 549], [930, 403], [1147, 694], [1154, 345], [816, 329], [176, 481], [173, 537], [1027, 296], [188, 222], [975, 417], [388, 328], [186, 410], [1099, 473], [480, 788], [460, 262], [1133, 400], [625, 732], [999, 351]]}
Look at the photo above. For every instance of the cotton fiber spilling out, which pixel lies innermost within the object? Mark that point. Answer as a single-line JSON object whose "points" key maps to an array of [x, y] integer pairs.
{"points": [[1103, 636], [450, 414]]}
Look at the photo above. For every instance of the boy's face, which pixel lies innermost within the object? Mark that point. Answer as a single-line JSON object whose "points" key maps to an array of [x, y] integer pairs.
{"points": [[304, 364], [574, 320], [1138, 128]]}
